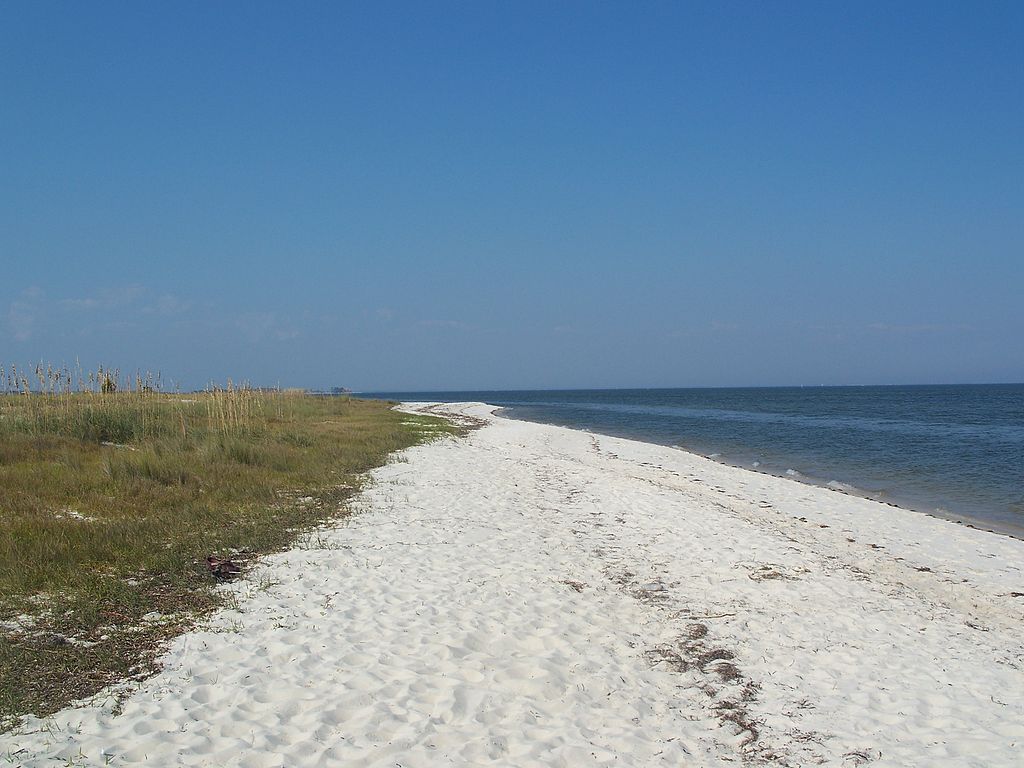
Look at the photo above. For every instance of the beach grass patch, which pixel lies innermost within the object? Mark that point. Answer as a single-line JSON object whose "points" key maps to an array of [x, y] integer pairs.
{"points": [[111, 501]]}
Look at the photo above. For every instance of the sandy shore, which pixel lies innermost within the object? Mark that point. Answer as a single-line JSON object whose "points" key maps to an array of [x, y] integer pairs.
{"points": [[538, 596]]}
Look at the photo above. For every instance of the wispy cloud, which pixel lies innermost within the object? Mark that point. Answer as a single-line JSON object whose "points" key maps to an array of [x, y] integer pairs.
{"points": [[714, 327], [110, 298], [168, 304], [913, 328], [840, 330], [80, 305], [456, 325], [23, 313], [261, 326], [32, 314]]}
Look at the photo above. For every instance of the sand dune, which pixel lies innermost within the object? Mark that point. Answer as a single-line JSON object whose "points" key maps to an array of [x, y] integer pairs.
{"points": [[537, 596]]}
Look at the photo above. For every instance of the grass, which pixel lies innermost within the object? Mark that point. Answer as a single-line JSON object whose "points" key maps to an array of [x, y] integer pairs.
{"points": [[111, 501]]}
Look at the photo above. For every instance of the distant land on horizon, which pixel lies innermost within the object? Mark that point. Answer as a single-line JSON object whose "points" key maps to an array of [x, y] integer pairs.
{"points": [[660, 388]]}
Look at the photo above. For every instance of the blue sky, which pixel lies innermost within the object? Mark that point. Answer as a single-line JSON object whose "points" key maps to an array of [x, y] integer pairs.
{"points": [[515, 195]]}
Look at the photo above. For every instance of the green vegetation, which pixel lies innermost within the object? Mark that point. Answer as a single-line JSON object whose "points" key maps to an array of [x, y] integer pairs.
{"points": [[111, 501]]}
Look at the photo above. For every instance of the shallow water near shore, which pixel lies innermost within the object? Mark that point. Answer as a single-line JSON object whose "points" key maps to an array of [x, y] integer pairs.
{"points": [[955, 450]]}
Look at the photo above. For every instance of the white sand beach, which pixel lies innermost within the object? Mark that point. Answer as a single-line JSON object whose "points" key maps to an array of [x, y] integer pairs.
{"points": [[537, 596]]}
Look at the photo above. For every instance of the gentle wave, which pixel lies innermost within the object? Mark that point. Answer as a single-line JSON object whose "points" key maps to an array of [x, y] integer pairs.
{"points": [[845, 487]]}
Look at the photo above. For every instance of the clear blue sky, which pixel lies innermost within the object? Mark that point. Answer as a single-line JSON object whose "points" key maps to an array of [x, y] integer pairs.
{"points": [[484, 195]]}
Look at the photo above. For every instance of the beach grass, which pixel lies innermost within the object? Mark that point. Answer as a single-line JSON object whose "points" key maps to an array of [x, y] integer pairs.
{"points": [[113, 498]]}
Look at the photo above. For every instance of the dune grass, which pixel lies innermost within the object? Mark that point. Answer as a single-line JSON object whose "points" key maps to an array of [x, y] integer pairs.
{"points": [[111, 501]]}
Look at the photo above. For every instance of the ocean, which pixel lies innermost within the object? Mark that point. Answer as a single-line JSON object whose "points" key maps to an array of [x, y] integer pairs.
{"points": [[956, 451]]}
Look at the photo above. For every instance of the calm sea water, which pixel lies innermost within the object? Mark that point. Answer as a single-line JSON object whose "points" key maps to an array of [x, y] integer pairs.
{"points": [[951, 450]]}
